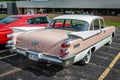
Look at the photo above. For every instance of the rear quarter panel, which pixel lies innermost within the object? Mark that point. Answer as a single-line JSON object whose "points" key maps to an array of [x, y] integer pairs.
{"points": [[86, 44]]}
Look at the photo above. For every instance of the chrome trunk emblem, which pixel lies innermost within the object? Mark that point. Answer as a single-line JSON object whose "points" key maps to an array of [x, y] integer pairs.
{"points": [[34, 42]]}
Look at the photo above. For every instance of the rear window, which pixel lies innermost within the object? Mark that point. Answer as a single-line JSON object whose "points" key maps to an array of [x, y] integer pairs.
{"points": [[8, 20], [69, 24]]}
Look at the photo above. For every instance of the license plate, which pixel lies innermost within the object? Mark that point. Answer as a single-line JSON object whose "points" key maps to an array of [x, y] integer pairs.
{"points": [[33, 57]]}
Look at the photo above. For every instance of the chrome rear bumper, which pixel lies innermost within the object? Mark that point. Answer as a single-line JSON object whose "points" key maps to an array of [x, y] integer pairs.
{"points": [[37, 56]]}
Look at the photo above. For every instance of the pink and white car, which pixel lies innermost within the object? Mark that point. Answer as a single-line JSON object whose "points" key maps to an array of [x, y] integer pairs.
{"points": [[69, 39]]}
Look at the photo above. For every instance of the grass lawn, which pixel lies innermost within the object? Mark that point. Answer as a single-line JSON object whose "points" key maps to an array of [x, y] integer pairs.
{"points": [[116, 24], [3, 15]]}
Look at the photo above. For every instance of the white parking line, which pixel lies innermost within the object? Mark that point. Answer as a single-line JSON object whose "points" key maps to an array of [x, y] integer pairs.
{"points": [[115, 43], [1, 51], [14, 70], [112, 47], [104, 74], [102, 57], [112, 55], [7, 56]]}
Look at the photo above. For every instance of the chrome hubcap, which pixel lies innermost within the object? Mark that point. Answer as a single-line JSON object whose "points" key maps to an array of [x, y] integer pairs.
{"points": [[87, 57]]}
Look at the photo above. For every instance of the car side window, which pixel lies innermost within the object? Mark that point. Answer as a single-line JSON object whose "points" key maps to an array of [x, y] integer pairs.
{"points": [[30, 21], [96, 24], [102, 23], [38, 20], [80, 25]]}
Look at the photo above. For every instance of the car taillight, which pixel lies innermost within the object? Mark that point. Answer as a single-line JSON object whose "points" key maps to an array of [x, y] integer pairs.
{"points": [[10, 36], [10, 42], [66, 44], [63, 53]]}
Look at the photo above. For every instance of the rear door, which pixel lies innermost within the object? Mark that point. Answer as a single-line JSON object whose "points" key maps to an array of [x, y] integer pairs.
{"points": [[98, 25]]}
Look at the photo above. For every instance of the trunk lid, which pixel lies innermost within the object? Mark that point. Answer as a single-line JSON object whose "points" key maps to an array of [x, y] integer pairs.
{"points": [[46, 41]]}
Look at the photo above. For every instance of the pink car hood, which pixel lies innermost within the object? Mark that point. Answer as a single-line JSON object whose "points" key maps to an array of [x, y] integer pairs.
{"points": [[46, 41]]}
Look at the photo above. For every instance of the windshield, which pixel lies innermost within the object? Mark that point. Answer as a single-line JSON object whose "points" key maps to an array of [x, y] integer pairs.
{"points": [[8, 20], [67, 24]]}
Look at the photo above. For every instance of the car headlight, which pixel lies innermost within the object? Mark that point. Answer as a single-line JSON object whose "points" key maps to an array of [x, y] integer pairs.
{"points": [[10, 36]]}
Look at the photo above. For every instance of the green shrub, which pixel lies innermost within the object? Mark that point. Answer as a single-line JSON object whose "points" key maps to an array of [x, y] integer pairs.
{"points": [[3, 15]]}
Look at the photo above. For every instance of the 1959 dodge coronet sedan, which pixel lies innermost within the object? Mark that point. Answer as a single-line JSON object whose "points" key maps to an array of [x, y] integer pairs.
{"points": [[67, 40]]}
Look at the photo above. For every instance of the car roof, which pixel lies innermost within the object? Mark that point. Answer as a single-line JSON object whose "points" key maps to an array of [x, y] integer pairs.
{"points": [[87, 18], [27, 15]]}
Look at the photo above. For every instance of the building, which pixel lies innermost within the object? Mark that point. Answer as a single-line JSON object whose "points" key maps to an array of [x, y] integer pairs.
{"points": [[3, 7], [98, 7]]}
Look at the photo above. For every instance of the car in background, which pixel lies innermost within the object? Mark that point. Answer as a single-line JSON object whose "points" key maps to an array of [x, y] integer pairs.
{"points": [[67, 40], [34, 20]]}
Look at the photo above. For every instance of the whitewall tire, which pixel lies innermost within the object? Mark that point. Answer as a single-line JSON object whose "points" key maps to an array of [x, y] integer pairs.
{"points": [[86, 59]]}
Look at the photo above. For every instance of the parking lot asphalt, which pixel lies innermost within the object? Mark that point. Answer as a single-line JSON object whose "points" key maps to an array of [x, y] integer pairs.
{"points": [[104, 65]]}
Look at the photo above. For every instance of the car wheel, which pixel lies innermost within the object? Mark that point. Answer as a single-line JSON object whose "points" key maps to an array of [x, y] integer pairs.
{"points": [[86, 59]]}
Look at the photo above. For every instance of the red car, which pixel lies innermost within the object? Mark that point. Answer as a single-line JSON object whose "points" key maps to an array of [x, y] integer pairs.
{"points": [[19, 21]]}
